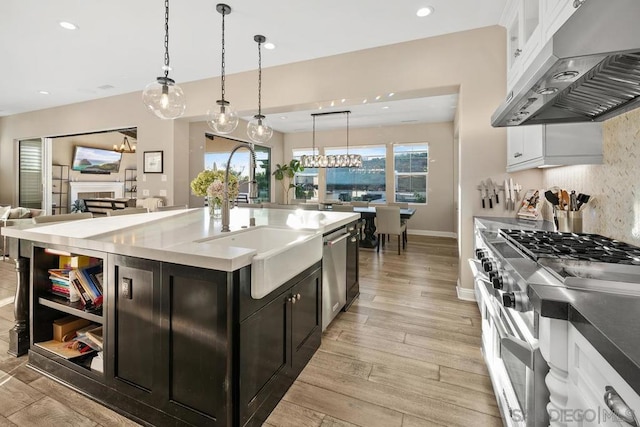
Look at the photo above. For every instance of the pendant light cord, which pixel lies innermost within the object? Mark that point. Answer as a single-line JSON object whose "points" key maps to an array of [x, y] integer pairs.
{"points": [[314, 135], [223, 52], [166, 38], [259, 78], [348, 112]]}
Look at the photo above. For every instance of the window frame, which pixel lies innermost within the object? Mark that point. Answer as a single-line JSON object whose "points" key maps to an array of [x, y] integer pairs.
{"points": [[397, 175]]}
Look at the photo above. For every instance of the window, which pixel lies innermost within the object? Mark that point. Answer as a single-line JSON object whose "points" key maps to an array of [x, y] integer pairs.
{"points": [[30, 178], [306, 181], [366, 183], [240, 168], [411, 167]]}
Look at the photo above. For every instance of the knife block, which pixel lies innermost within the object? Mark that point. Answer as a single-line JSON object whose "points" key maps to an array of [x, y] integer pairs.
{"points": [[569, 221]]}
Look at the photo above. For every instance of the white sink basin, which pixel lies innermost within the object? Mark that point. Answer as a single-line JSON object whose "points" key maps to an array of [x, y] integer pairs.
{"points": [[281, 253]]}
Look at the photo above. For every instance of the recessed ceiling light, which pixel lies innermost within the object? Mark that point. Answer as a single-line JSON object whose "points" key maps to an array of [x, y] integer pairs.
{"points": [[283, 117], [378, 97], [425, 11], [342, 100], [386, 107], [269, 46], [68, 25], [364, 101], [391, 94], [333, 104], [43, 92]]}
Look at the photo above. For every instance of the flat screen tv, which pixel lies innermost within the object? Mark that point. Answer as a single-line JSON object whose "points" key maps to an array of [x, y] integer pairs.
{"points": [[95, 160]]}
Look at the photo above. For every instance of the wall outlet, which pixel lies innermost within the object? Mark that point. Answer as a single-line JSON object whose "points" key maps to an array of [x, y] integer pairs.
{"points": [[145, 193], [163, 193], [164, 178]]}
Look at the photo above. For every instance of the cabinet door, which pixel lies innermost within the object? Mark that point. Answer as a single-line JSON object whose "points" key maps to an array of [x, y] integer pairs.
{"points": [[306, 322], [353, 287], [196, 348], [514, 44], [134, 325], [264, 356], [515, 144], [531, 31], [533, 142]]}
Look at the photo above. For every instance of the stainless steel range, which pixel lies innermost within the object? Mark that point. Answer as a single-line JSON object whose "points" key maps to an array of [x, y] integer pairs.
{"points": [[507, 262]]}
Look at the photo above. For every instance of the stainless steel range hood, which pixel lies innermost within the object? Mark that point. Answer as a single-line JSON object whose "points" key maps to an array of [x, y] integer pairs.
{"points": [[588, 71]]}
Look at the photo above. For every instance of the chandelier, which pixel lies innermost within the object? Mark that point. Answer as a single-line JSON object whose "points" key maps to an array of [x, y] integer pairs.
{"points": [[338, 161], [125, 147]]}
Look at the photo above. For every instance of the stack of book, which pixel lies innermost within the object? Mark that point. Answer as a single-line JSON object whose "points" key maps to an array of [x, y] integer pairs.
{"points": [[82, 284], [87, 282]]}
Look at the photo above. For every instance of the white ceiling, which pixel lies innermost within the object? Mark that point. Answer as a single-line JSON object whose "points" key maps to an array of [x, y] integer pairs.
{"points": [[118, 47]]}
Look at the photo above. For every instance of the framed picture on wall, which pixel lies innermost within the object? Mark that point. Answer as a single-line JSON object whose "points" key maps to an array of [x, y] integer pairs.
{"points": [[152, 162]]}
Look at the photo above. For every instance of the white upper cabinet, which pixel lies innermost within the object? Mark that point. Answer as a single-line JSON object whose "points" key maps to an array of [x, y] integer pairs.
{"points": [[522, 20], [553, 145]]}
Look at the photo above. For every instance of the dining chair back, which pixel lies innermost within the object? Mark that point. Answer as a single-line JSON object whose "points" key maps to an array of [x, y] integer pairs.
{"points": [[388, 222]]}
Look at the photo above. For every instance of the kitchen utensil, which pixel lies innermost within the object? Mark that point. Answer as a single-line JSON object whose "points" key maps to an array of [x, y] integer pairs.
{"points": [[553, 199], [483, 193], [491, 191], [582, 199], [507, 199], [564, 201], [512, 194], [496, 192], [573, 201]]}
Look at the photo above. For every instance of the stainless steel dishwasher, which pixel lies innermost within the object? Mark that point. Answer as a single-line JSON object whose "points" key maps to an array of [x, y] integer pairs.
{"points": [[334, 274]]}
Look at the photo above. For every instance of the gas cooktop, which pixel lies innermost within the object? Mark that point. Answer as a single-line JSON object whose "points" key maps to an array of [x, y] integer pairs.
{"points": [[538, 244]]}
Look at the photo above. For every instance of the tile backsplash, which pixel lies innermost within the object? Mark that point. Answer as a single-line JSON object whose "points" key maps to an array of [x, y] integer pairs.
{"points": [[614, 208]]}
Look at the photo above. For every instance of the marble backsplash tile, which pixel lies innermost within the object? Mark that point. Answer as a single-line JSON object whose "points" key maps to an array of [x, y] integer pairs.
{"points": [[614, 210]]}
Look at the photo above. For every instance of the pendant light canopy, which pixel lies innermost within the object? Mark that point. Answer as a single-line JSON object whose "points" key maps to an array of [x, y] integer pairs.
{"points": [[163, 97], [258, 129], [222, 118], [323, 161]]}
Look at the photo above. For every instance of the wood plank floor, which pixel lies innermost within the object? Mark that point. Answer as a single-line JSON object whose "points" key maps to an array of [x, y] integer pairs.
{"points": [[406, 354]]}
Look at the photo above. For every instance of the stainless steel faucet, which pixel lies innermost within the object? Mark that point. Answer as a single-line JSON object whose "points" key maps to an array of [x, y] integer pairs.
{"points": [[252, 185]]}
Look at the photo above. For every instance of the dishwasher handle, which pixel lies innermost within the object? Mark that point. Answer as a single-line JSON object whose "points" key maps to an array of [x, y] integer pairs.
{"points": [[336, 241]]}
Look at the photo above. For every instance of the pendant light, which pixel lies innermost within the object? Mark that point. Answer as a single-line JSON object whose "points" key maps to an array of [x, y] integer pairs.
{"points": [[322, 161], [258, 129], [222, 119], [163, 97]]}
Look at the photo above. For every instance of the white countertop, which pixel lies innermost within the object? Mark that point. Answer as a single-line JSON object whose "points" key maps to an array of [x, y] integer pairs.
{"points": [[172, 236]]}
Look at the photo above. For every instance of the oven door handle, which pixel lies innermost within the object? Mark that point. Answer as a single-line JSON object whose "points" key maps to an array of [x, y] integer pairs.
{"points": [[520, 349]]}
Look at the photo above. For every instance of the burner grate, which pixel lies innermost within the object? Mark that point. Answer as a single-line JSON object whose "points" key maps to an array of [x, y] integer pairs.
{"points": [[583, 247]]}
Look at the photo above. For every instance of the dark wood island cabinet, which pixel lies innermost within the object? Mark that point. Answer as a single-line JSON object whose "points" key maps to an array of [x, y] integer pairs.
{"points": [[182, 345]]}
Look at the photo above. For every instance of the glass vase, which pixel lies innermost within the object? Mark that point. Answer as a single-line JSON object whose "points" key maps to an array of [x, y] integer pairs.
{"points": [[215, 207]]}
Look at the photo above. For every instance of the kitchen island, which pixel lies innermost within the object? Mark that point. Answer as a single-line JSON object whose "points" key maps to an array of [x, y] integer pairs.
{"points": [[185, 343]]}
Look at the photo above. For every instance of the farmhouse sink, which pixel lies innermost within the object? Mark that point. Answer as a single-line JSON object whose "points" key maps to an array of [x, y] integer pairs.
{"points": [[281, 253]]}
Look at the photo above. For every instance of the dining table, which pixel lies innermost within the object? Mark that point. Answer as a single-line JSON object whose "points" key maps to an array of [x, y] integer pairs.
{"points": [[369, 239]]}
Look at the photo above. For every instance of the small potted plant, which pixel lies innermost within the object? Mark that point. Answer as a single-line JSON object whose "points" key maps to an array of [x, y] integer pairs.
{"points": [[285, 173]]}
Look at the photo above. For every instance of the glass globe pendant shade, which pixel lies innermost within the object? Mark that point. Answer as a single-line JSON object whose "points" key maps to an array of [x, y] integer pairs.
{"points": [[258, 129], [164, 98], [222, 119]]}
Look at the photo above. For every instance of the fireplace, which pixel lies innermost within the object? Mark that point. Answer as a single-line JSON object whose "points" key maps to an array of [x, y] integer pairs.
{"points": [[96, 189]]}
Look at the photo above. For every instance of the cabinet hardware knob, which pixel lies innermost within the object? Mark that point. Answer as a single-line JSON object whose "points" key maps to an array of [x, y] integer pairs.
{"points": [[290, 299], [619, 406], [298, 296], [517, 155], [353, 240], [517, 52]]}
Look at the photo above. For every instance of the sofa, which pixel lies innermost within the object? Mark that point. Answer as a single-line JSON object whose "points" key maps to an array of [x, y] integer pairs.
{"points": [[12, 216]]}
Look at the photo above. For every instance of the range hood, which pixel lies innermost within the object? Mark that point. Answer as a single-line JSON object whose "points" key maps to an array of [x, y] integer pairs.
{"points": [[588, 71]]}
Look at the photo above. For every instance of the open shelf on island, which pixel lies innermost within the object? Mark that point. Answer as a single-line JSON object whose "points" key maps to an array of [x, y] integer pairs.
{"points": [[75, 308]]}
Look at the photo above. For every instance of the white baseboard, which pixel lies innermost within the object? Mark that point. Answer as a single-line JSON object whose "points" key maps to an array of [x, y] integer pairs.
{"points": [[464, 293], [432, 233]]}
